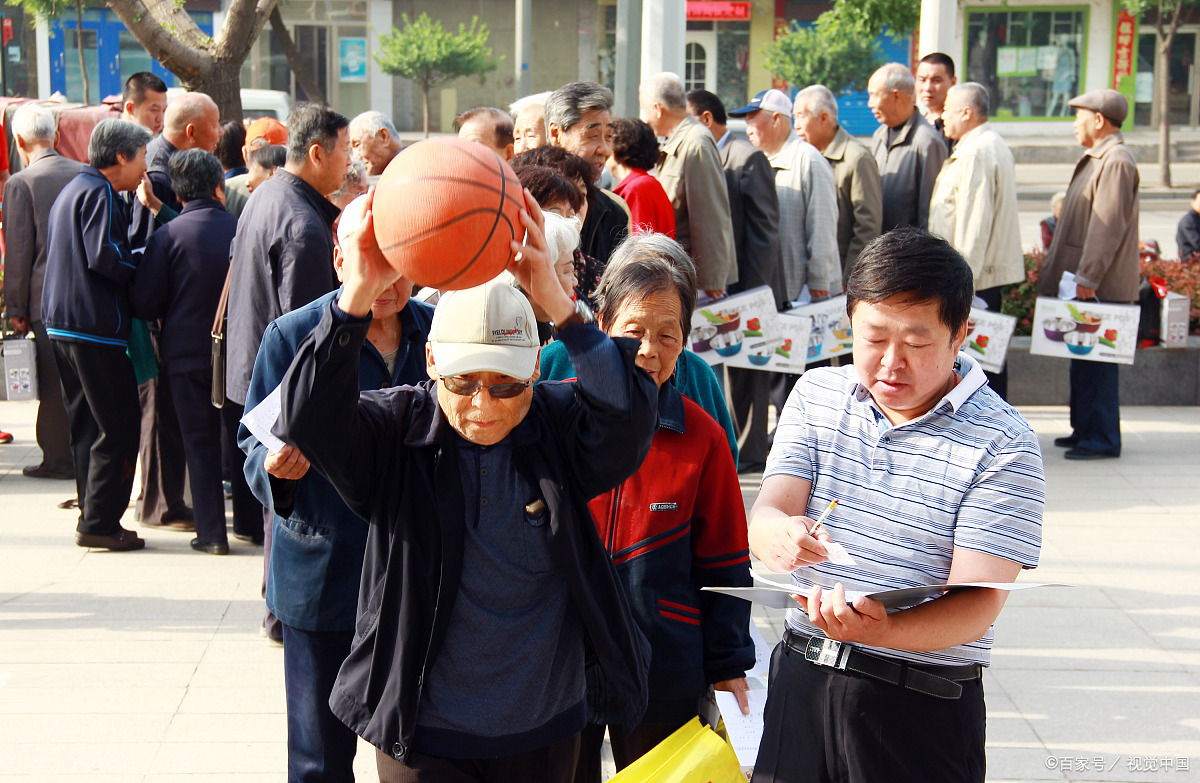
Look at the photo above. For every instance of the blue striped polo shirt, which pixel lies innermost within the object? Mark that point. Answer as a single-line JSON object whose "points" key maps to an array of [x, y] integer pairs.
{"points": [[966, 474]]}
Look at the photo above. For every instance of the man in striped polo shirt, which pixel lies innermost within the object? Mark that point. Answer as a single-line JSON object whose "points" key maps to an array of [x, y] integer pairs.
{"points": [[937, 480]]}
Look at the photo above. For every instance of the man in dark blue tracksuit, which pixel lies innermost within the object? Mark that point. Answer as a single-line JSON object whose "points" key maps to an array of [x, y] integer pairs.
{"points": [[180, 281], [85, 306]]}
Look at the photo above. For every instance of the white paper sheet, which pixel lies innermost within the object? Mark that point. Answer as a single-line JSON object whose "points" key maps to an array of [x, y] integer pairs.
{"points": [[262, 417], [762, 652], [778, 596], [838, 554], [744, 731]]}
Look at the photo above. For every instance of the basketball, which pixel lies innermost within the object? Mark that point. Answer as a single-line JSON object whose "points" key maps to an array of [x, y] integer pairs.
{"points": [[446, 211]]}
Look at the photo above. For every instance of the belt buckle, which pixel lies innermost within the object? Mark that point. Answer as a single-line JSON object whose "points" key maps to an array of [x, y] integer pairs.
{"points": [[825, 652]]}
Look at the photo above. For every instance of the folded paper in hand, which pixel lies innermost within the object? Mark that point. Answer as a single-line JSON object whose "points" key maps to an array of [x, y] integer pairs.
{"points": [[779, 596], [262, 417]]}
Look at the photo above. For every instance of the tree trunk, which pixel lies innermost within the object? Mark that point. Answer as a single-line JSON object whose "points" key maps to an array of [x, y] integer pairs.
{"points": [[221, 81], [303, 78], [1164, 115], [425, 106], [83, 74]]}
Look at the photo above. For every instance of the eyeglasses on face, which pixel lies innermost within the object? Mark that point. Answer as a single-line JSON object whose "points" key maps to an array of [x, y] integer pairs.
{"points": [[468, 388]]}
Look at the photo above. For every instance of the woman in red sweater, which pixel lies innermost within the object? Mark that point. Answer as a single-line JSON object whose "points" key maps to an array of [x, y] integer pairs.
{"points": [[635, 151]]}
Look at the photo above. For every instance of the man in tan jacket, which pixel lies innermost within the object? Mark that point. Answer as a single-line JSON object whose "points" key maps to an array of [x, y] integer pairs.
{"points": [[694, 180], [1096, 240], [974, 203]]}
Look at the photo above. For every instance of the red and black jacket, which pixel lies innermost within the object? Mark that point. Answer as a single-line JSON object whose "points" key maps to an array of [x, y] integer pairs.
{"points": [[677, 525]]}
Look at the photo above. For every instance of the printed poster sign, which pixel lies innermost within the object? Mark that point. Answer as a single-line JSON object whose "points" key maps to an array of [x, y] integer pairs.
{"points": [[830, 332], [744, 330], [1090, 331], [352, 65], [988, 336]]}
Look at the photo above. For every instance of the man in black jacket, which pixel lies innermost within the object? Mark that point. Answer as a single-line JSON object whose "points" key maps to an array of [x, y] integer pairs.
{"points": [[282, 258], [85, 306], [180, 281], [485, 584], [1187, 238], [28, 196]]}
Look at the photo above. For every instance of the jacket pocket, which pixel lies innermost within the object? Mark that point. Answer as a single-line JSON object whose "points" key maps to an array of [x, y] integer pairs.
{"points": [[534, 532]]}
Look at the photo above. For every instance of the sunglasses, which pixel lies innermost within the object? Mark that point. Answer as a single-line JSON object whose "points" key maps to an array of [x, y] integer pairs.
{"points": [[468, 388]]}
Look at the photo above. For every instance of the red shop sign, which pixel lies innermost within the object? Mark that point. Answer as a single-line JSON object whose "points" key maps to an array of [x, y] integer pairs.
{"points": [[718, 10], [1123, 50]]}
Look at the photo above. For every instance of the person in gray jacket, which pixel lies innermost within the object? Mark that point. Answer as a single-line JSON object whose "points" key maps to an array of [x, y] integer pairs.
{"points": [[910, 153], [28, 196]]}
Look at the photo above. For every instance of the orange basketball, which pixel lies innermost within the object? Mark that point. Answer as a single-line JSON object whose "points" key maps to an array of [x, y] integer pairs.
{"points": [[446, 213]]}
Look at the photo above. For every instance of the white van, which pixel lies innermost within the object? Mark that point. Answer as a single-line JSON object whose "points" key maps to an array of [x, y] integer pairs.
{"points": [[255, 103]]}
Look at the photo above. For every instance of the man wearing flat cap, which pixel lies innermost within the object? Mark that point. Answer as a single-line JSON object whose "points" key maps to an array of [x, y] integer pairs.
{"points": [[1096, 240]]}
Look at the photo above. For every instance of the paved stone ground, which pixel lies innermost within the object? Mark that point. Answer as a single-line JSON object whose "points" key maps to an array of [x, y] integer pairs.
{"points": [[148, 666]]}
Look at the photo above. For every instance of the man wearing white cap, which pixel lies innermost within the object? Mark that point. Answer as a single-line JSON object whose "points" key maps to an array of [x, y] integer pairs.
{"points": [[484, 582], [807, 197]]}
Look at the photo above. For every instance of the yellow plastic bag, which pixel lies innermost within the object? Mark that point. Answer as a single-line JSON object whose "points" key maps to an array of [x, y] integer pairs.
{"points": [[693, 754]]}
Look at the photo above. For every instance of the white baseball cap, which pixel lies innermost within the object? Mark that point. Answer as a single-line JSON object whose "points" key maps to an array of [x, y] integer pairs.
{"points": [[767, 100], [351, 219], [489, 328]]}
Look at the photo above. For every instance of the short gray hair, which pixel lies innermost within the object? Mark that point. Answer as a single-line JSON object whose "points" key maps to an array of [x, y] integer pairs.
{"points": [[665, 88], [567, 105], [974, 95], [520, 104], [897, 77], [820, 100], [355, 182], [370, 122], [115, 137], [34, 123], [646, 264], [185, 110]]}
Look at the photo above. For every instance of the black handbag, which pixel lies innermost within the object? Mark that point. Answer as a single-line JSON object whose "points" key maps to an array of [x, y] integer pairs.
{"points": [[218, 346]]}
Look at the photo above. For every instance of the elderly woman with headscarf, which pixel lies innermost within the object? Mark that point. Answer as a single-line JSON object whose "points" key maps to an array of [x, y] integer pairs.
{"points": [[676, 525]]}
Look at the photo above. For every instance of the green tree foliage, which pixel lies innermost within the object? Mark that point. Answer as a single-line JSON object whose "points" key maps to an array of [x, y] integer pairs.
{"points": [[871, 17], [833, 52], [431, 56]]}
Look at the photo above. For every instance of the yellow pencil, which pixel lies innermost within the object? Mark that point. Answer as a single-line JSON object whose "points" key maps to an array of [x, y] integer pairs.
{"points": [[823, 517]]}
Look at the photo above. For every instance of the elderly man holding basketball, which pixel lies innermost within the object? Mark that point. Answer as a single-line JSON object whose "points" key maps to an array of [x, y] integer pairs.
{"points": [[475, 485]]}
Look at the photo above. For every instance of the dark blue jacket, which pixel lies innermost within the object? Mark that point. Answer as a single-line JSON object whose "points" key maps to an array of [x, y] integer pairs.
{"points": [[393, 457], [318, 543], [180, 280], [142, 221], [89, 265]]}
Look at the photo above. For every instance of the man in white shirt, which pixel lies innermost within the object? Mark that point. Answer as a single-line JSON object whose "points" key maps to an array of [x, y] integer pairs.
{"points": [[974, 203]]}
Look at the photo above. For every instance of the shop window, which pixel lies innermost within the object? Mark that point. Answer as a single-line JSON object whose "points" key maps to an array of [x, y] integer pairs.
{"points": [[733, 63], [695, 64], [1030, 61]]}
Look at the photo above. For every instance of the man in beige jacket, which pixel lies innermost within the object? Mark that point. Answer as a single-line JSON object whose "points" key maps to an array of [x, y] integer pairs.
{"points": [[1096, 240], [974, 203], [694, 179]]}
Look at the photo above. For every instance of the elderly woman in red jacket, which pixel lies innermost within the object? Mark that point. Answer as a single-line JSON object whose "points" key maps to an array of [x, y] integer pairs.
{"points": [[676, 525], [635, 152]]}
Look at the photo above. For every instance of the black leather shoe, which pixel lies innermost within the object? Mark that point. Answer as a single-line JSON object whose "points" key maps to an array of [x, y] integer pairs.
{"points": [[121, 541], [256, 539], [212, 547], [1080, 453], [46, 472], [1067, 442]]}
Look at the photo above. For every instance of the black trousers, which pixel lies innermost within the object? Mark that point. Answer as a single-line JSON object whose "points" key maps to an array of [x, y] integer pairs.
{"points": [[53, 427], [825, 726], [997, 380], [551, 764], [750, 395], [162, 457], [247, 511], [100, 395], [200, 425], [1096, 406]]}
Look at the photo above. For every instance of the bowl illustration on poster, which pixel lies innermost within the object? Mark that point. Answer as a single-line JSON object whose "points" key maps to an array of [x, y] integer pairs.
{"points": [[727, 344], [723, 320], [761, 356], [1080, 342], [702, 337], [1056, 328]]}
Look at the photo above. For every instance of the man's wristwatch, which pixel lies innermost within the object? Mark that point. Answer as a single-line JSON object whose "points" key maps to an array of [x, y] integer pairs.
{"points": [[582, 315]]}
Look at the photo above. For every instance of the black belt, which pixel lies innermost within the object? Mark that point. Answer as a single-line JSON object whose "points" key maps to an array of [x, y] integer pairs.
{"points": [[939, 681]]}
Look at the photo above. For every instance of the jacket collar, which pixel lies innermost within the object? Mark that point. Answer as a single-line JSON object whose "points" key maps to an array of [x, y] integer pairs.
{"points": [[682, 129], [323, 205], [201, 203], [970, 136], [837, 147], [670, 408], [45, 152], [907, 129], [1099, 149]]}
